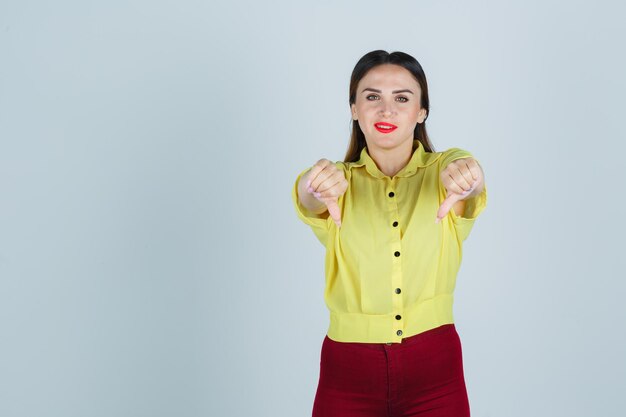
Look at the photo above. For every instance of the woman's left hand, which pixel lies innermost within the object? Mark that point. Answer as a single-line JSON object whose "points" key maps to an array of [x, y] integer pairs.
{"points": [[463, 178]]}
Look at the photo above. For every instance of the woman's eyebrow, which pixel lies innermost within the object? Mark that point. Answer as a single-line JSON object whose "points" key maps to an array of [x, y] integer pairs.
{"points": [[393, 92]]}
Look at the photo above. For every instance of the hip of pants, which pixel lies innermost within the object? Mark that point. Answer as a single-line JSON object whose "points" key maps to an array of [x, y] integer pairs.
{"points": [[422, 376]]}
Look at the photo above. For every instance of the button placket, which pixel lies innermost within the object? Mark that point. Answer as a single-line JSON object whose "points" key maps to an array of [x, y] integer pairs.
{"points": [[396, 274]]}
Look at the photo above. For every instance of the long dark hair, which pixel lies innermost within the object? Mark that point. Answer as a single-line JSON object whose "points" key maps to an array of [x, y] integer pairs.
{"points": [[366, 63]]}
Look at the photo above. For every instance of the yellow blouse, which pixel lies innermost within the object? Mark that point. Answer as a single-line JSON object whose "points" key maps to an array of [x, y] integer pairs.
{"points": [[390, 269]]}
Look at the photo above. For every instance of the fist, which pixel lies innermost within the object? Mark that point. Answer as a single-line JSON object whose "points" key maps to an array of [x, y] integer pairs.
{"points": [[327, 182], [460, 178]]}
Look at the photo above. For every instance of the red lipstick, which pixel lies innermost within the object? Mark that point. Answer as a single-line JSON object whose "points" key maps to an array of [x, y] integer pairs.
{"points": [[384, 127]]}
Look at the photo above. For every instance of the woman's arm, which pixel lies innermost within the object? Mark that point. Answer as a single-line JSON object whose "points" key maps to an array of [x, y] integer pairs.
{"points": [[459, 208], [461, 171]]}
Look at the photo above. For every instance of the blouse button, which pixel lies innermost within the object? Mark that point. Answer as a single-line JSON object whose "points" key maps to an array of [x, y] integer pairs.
{"points": [[395, 224], [398, 317], [391, 194], [398, 291], [396, 253], [399, 332]]}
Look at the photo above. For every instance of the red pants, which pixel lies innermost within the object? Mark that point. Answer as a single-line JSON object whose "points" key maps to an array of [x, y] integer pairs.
{"points": [[422, 376]]}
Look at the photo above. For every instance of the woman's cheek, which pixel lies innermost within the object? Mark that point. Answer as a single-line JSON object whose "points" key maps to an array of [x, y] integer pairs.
{"points": [[363, 127]]}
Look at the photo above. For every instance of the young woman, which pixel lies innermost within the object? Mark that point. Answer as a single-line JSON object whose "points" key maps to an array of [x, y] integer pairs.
{"points": [[393, 217]]}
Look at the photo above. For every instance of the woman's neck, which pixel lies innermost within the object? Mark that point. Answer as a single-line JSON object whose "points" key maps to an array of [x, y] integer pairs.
{"points": [[391, 161]]}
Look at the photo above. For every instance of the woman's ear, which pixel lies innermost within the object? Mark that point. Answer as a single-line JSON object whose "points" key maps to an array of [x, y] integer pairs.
{"points": [[421, 116], [353, 109]]}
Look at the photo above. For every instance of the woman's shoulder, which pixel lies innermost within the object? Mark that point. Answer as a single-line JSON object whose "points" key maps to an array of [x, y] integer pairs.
{"points": [[452, 154], [345, 166]]}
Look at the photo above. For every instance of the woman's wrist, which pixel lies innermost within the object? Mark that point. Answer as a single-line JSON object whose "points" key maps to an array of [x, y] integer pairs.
{"points": [[308, 200]]}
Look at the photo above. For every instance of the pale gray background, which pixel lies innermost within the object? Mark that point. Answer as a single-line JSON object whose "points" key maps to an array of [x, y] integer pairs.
{"points": [[151, 262]]}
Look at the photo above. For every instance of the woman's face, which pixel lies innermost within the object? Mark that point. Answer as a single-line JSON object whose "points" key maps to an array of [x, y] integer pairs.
{"points": [[389, 95]]}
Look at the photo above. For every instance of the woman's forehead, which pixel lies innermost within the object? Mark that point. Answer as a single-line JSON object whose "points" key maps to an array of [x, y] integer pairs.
{"points": [[388, 76]]}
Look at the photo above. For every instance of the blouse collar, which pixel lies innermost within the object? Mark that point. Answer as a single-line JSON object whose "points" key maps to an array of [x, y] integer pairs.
{"points": [[419, 159]]}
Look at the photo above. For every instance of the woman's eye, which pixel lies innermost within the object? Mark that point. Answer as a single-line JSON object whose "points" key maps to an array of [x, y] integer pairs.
{"points": [[375, 97]]}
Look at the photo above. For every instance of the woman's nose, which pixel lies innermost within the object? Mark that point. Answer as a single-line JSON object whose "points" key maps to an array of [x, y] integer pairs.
{"points": [[387, 109]]}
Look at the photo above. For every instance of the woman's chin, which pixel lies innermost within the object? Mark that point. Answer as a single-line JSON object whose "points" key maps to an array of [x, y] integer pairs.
{"points": [[384, 140]]}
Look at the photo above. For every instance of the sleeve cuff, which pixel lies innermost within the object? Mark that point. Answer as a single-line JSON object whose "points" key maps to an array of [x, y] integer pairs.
{"points": [[318, 222], [473, 207]]}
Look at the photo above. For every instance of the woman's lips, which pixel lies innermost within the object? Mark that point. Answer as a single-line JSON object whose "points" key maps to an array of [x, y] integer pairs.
{"points": [[385, 127]]}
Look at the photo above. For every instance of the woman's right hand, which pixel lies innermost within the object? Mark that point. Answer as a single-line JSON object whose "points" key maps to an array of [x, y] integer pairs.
{"points": [[327, 182]]}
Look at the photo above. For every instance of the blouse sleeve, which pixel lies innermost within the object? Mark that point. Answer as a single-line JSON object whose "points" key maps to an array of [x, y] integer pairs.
{"points": [[319, 223], [473, 206]]}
